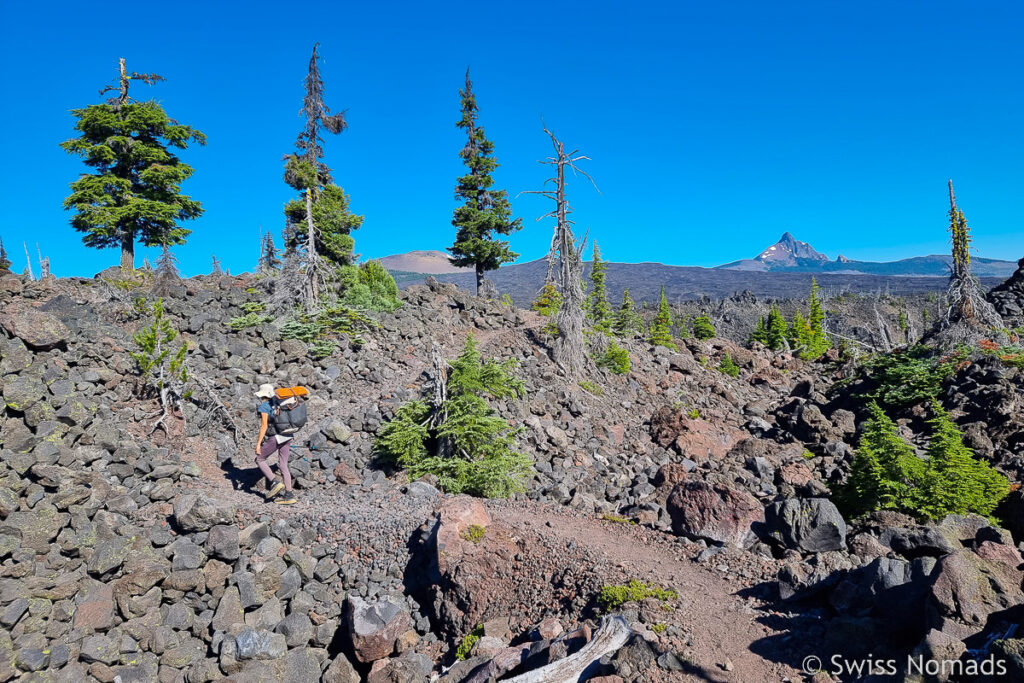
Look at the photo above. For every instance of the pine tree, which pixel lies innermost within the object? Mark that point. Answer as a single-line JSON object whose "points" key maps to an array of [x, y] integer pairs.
{"points": [[458, 437], [956, 481], [777, 331], [5, 263], [661, 326], [135, 192], [799, 332], [703, 328], [817, 342], [484, 212], [627, 321], [167, 274], [269, 262], [547, 303], [760, 333], [598, 310], [323, 205], [885, 473]]}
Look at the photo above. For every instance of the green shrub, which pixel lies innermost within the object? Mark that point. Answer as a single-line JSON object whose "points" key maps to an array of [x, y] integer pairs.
{"points": [[253, 307], [618, 519], [693, 413], [661, 326], [468, 642], [161, 366], [659, 628], [887, 475], [728, 367], [369, 287], [615, 596], [474, 533], [594, 389], [322, 348], [702, 327], [910, 376], [462, 442], [248, 320], [615, 359], [956, 482], [548, 303]]}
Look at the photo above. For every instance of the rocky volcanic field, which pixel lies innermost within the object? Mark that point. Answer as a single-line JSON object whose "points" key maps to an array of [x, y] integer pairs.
{"points": [[136, 555]]}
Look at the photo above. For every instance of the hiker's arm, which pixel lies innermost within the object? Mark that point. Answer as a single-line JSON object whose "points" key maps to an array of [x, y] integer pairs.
{"points": [[263, 432]]}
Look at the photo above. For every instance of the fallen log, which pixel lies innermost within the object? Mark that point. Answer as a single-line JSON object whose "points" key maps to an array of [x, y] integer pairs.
{"points": [[612, 634]]}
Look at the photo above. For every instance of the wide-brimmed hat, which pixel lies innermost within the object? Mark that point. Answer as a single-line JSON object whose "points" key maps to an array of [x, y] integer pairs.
{"points": [[265, 391]]}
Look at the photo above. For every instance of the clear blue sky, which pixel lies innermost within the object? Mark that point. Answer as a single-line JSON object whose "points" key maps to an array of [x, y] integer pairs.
{"points": [[713, 126]]}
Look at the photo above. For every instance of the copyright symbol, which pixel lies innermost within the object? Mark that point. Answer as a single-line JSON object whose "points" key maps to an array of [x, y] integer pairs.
{"points": [[811, 664]]}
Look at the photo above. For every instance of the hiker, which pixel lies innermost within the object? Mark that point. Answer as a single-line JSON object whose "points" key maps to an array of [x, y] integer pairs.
{"points": [[268, 411]]}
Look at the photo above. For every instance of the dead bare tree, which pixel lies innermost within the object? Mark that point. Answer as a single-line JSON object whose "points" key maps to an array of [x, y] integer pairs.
{"points": [[28, 263], [969, 315], [567, 252]]}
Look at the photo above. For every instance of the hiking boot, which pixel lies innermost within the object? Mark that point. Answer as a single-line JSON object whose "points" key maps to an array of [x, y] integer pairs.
{"points": [[287, 499], [274, 490]]}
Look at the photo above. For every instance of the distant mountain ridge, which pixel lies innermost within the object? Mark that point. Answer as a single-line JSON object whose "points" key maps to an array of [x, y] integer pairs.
{"points": [[429, 262], [780, 271], [792, 255]]}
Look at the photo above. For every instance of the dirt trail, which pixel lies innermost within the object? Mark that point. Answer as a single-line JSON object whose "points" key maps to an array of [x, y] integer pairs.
{"points": [[721, 625]]}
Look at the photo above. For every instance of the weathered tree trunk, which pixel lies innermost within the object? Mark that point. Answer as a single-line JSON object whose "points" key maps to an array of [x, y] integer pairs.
{"points": [[28, 262], [312, 258], [127, 251], [479, 277], [613, 633]]}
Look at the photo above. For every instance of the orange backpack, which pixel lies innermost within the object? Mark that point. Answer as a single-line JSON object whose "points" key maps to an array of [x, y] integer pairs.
{"points": [[292, 392]]}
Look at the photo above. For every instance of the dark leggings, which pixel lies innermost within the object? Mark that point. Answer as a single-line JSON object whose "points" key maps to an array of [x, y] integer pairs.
{"points": [[266, 450]]}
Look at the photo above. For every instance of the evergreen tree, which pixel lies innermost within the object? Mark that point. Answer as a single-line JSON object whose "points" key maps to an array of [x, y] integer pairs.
{"points": [[885, 473], [547, 303], [702, 327], [462, 440], [956, 481], [760, 333], [167, 274], [799, 332], [135, 192], [661, 326], [5, 263], [777, 331], [598, 310], [816, 343], [627, 321], [323, 204], [269, 262], [484, 211]]}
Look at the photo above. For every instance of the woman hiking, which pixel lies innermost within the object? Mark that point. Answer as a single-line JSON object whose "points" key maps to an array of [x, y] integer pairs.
{"points": [[267, 410]]}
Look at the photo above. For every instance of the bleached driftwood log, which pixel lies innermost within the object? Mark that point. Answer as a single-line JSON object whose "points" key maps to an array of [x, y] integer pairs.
{"points": [[613, 633]]}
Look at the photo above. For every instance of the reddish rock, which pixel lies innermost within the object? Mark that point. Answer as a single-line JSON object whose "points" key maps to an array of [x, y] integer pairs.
{"points": [[96, 610], [374, 628], [346, 475], [549, 628], [968, 588], [693, 437], [999, 552], [714, 512], [669, 475], [795, 474]]}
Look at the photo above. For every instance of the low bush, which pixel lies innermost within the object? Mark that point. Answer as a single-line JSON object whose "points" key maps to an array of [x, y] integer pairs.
{"points": [[728, 366], [468, 642], [615, 596], [911, 376], [888, 475], [462, 441], [615, 359], [369, 287]]}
